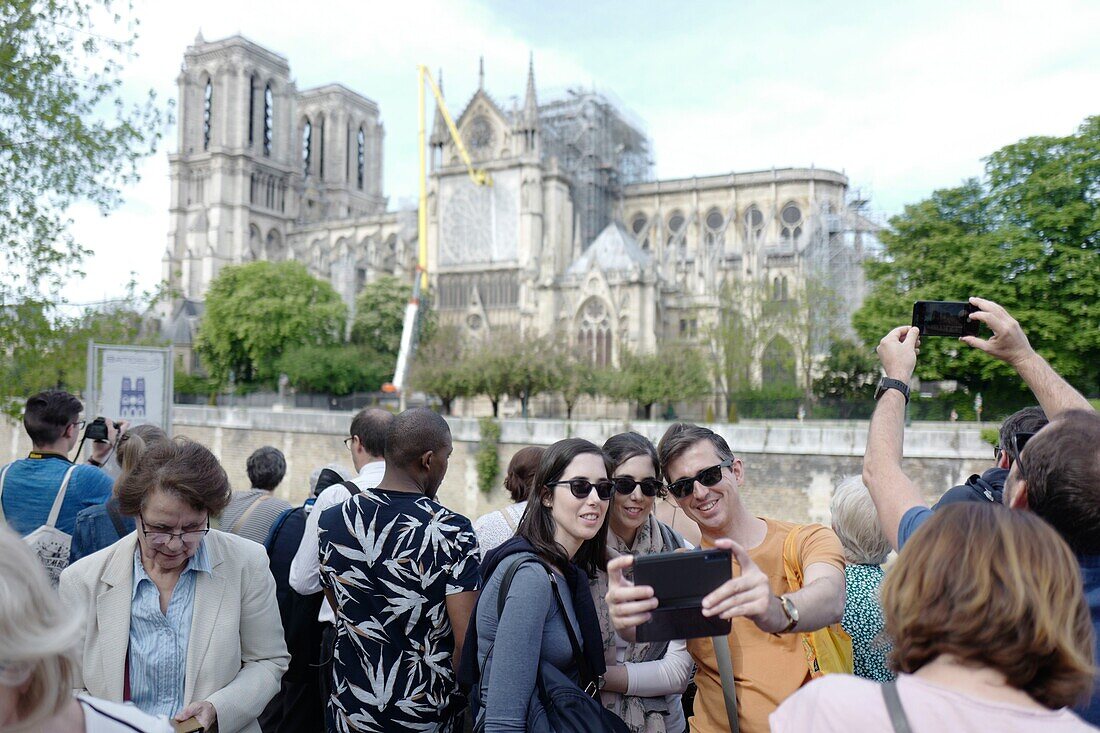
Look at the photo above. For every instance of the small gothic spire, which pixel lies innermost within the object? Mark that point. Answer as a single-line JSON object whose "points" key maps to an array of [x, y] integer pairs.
{"points": [[530, 104], [481, 73]]}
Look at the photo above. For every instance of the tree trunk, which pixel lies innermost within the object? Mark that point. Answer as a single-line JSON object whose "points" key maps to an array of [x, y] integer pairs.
{"points": [[523, 399], [568, 410], [649, 411], [446, 404], [496, 406]]}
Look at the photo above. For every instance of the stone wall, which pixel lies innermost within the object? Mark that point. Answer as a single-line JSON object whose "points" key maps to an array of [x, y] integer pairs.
{"points": [[790, 466]]}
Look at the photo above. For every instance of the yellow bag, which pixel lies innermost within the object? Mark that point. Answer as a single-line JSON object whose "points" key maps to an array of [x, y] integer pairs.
{"points": [[828, 650]]}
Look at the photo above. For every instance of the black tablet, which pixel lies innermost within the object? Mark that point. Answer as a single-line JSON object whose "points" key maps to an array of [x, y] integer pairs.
{"points": [[680, 580]]}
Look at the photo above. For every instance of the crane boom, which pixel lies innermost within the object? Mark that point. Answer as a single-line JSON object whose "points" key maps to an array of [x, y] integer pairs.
{"points": [[479, 176]]}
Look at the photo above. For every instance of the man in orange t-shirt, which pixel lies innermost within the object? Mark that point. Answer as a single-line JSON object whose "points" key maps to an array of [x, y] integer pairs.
{"points": [[768, 661]]}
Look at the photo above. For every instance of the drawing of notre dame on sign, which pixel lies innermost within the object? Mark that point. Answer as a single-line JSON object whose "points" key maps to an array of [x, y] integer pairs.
{"points": [[132, 383]]}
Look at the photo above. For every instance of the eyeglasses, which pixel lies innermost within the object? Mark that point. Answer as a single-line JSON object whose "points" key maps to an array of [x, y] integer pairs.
{"points": [[79, 424], [157, 537], [707, 477], [625, 485], [1017, 443], [582, 487], [347, 441]]}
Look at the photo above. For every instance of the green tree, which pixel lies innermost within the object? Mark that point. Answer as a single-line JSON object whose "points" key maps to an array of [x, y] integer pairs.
{"points": [[850, 371], [255, 312], [442, 367], [1027, 235], [734, 341], [48, 349], [336, 369], [66, 133], [380, 316], [811, 319], [678, 371], [573, 376]]}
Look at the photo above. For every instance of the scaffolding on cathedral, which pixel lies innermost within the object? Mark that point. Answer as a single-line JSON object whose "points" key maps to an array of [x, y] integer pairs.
{"points": [[599, 148]]}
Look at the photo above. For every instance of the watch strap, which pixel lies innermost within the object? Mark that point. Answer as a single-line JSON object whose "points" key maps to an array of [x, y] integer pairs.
{"points": [[792, 620], [886, 383]]}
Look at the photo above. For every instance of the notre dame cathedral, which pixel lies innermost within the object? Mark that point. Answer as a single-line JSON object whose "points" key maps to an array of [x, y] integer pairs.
{"points": [[574, 235]]}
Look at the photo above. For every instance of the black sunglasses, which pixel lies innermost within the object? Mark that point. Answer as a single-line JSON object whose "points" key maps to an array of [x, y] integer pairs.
{"points": [[582, 487], [625, 485], [707, 477], [1018, 441]]}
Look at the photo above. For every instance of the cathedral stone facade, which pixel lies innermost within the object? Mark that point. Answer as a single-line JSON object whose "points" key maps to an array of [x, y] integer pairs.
{"points": [[573, 235]]}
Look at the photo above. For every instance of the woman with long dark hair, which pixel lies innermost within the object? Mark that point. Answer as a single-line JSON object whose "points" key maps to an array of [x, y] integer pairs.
{"points": [[644, 681], [565, 528]]}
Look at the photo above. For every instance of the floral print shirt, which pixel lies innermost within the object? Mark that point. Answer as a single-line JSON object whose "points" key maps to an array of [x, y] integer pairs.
{"points": [[391, 559], [864, 623]]}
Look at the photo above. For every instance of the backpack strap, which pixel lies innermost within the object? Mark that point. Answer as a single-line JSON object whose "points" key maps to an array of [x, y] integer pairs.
{"points": [[55, 511], [3, 473], [269, 541], [248, 512], [729, 687], [898, 719], [508, 519], [352, 487]]}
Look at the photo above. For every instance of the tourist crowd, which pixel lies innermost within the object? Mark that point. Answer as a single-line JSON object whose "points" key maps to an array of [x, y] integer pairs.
{"points": [[138, 591]]}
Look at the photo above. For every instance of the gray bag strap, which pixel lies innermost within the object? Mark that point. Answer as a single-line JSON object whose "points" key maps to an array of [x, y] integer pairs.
{"points": [[55, 510], [894, 708], [729, 689]]}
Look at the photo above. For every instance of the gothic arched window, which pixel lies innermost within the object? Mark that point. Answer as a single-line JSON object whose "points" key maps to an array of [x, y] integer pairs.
{"points": [[361, 156], [714, 235], [307, 148], [269, 119], [754, 224], [790, 224], [778, 363], [321, 148], [251, 109], [594, 332], [676, 223], [207, 113]]}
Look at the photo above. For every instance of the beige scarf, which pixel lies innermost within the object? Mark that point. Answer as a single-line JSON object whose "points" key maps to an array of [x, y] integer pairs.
{"points": [[641, 714]]}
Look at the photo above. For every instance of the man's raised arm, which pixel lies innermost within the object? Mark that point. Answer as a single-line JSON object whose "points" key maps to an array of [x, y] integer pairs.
{"points": [[892, 491], [1010, 345]]}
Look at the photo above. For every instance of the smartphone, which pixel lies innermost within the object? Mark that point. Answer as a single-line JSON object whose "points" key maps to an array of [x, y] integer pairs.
{"points": [[944, 318], [191, 725], [680, 580]]}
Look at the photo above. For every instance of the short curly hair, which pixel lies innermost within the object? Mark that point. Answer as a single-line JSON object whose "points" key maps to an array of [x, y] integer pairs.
{"points": [[994, 588]]}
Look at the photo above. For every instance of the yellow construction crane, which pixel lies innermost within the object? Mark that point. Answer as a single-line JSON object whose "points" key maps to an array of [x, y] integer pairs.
{"points": [[479, 176]]}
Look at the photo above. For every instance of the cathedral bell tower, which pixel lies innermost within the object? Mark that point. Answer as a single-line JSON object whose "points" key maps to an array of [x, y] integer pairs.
{"points": [[230, 176]]}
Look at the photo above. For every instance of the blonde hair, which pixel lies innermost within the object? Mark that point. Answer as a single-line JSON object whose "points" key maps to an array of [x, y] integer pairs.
{"points": [[995, 588], [37, 636], [856, 523], [133, 444]]}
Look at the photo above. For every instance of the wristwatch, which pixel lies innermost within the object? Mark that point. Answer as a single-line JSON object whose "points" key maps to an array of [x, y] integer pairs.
{"points": [[790, 612], [600, 681], [886, 383]]}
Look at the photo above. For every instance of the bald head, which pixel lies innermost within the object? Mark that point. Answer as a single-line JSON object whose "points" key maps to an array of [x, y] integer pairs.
{"points": [[370, 426], [412, 434]]}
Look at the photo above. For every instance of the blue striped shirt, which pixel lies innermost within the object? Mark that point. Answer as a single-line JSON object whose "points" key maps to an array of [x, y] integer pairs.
{"points": [[158, 642]]}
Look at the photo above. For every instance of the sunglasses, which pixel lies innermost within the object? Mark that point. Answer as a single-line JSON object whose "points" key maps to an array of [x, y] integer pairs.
{"points": [[581, 487], [707, 477], [625, 485], [1017, 443]]}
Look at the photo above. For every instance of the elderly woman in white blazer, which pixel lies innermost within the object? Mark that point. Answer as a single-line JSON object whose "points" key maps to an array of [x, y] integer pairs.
{"points": [[179, 619]]}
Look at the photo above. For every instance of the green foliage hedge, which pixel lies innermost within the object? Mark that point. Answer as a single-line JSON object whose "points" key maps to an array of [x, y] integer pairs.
{"points": [[488, 457]]}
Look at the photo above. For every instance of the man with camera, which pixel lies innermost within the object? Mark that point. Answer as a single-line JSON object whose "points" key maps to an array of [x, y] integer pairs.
{"points": [[1055, 472], [30, 487]]}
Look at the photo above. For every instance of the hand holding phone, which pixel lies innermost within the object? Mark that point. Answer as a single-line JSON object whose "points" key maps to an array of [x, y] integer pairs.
{"points": [[944, 318], [680, 580]]}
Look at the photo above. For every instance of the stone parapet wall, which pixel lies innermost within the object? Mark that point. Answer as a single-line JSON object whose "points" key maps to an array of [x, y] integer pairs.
{"points": [[790, 467]]}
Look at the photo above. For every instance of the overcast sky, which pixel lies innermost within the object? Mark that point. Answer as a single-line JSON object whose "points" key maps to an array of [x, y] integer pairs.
{"points": [[903, 97]]}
